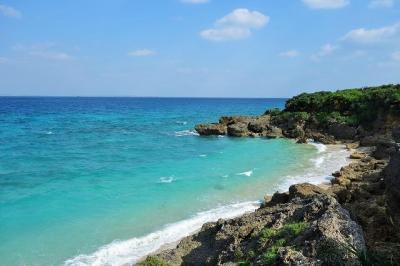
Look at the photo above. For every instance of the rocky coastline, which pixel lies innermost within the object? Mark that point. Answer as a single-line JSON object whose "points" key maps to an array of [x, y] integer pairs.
{"points": [[354, 221]]}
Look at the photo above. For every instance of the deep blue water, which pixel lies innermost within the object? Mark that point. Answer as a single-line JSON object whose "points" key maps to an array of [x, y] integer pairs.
{"points": [[78, 173]]}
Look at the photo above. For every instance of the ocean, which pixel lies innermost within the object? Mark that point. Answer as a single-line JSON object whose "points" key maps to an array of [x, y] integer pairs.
{"points": [[105, 181]]}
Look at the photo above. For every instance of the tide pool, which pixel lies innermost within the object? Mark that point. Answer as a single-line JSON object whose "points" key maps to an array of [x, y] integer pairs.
{"points": [[97, 181]]}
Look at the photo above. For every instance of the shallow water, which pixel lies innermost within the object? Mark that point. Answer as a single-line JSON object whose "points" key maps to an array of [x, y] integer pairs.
{"points": [[95, 181]]}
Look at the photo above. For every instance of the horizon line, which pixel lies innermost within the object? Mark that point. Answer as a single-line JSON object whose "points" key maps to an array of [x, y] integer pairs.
{"points": [[154, 97]]}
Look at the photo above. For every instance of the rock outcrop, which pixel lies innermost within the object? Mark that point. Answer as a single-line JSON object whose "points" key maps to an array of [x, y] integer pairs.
{"points": [[356, 221], [211, 129], [307, 228]]}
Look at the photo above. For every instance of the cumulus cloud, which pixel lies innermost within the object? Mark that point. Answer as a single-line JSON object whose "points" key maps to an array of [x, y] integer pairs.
{"points": [[381, 3], [195, 1], [236, 25], [142, 53], [326, 4], [363, 35], [9, 11], [290, 53]]}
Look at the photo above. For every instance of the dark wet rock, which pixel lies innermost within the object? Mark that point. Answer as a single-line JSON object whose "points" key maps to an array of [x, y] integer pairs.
{"points": [[257, 126], [342, 131], [384, 148], [396, 134], [369, 141], [322, 138], [392, 181], [297, 132], [211, 129]]}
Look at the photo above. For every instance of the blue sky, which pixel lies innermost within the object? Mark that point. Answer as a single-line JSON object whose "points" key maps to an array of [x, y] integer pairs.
{"points": [[214, 48]]}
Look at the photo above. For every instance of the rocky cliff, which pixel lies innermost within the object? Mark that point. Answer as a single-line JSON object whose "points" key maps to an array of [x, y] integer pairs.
{"points": [[356, 221]]}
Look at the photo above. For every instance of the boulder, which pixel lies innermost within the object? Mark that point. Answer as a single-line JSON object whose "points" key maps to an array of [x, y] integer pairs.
{"points": [[384, 148], [211, 129], [323, 228], [369, 141], [358, 155], [322, 138], [305, 190], [352, 146], [238, 130]]}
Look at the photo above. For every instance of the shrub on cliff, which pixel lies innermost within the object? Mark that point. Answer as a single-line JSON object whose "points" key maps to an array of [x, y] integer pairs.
{"points": [[351, 106]]}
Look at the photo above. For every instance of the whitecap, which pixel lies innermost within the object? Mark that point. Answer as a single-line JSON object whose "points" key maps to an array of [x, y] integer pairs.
{"points": [[128, 252], [203, 155], [186, 133], [320, 147], [49, 133], [248, 173], [318, 161], [181, 122], [167, 179], [327, 162]]}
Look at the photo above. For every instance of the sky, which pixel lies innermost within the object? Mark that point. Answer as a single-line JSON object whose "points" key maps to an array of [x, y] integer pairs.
{"points": [[196, 48]]}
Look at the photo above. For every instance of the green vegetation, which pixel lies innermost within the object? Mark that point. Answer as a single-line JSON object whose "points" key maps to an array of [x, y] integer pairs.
{"points": [[277, 238], [153, 261], [352, 106]]}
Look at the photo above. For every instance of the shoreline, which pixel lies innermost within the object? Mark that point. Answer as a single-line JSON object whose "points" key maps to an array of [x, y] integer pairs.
{"points": [[126, 251], [324, 185], [302, 190]]}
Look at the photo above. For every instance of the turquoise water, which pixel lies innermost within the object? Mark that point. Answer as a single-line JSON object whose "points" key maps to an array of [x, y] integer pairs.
{"points": [[79, 173]]}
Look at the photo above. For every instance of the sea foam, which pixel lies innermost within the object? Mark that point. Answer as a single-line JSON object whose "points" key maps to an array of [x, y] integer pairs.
{"points": [[248, 173], [329, 159], [183, 133], [167, 179], [130, 251]]}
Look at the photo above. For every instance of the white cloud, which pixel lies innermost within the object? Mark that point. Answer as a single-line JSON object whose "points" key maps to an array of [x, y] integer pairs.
{"points": [[142, 53], [290, 54], [9, 11], [46, 50], [195, 1], [243, 17], [326, 4], [396, 56], [236, 25], [381, 3], [223, 34], [363, 35], [326, 50]]}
